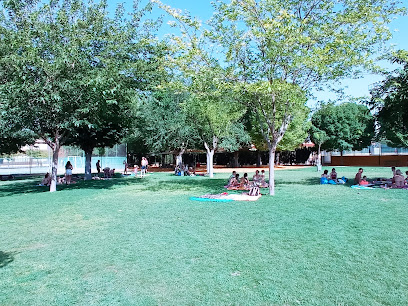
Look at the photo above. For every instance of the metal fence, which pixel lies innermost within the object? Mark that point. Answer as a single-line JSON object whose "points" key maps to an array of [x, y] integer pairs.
{"points": [[23, 164]]}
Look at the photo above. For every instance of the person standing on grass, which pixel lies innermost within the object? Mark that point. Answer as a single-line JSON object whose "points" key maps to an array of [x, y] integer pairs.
{"points": [[98, 166], [68, 172], [144, 164], [357, 178], [125, 163]]}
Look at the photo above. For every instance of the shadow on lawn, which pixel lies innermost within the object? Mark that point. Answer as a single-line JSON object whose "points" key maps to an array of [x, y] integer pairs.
{"points": [[24, 187], [5, 258], [186, 184], [309, 182], [170, 183]]}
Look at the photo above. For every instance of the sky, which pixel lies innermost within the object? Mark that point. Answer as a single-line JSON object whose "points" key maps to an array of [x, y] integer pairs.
{"points": [[352, 87]]}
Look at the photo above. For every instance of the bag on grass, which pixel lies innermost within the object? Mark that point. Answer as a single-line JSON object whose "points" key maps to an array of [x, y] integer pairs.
{"points": [[254, 191]]}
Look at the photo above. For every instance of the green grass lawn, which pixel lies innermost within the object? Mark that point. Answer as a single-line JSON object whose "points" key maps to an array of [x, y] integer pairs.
{"points": [[143, 242]]}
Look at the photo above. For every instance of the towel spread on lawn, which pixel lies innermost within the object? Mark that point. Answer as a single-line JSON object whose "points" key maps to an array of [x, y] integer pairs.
{"points": [[225, 197]]}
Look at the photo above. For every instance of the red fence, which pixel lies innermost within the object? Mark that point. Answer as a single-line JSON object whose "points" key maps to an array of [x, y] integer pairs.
{"points": [[383, 161]]}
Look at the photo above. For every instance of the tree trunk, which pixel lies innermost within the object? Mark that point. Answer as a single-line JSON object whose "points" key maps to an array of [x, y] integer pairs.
{"points": [[179, 157], [210, 163], [271, 171], [55, 152], [277, 158], [88, 164], [236, 159], [210, 156], [319, 159], [258, 158]]}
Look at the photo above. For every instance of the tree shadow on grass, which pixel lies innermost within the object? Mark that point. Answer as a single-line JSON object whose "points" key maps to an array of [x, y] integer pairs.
{"points": [[312, 181], [6, 258], [188, 184], [31, 187]]}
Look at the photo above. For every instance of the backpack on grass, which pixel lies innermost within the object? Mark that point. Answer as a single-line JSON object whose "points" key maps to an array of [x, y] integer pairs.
{"points": [[254, 191]]}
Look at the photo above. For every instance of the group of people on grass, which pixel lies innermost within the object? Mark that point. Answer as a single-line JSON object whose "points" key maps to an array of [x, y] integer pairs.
{"points": [[332, 178], [184, 170], [397, 181], [144, 165], [243, 183], [66, 179]]}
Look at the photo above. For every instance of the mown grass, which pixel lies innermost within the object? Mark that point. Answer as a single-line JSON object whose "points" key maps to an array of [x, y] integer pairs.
{"points": [[143, 242]]}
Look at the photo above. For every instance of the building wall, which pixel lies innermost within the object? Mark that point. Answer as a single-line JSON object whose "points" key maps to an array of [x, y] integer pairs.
{"points": [[380, 160]]}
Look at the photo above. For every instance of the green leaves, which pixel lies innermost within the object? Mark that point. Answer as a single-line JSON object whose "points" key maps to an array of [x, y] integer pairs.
{"points": [[304, 42], [347, 126], [390, 101], [66, 65]]}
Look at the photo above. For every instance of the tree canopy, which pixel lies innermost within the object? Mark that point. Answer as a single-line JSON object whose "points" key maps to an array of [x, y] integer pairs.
{"points": [[347, 126], [67, 62], [163, 123], [390, 101]]}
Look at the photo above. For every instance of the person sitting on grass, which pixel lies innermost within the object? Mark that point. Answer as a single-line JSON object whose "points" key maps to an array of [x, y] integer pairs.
{"points": [[406, 173], [232, 178], [333, 175], [256, 178], [46, 180], [393, 174], [263, 183], [234, 174], [234, 182], [364, 181], [244, 182], [177, 170], [324, 178], [325, 174], [106, 172], [357, 178], [399, 180]]}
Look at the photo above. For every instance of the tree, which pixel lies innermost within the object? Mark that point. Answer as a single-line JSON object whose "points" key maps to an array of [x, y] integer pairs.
{"points": [[215, 114], [12, 141], [212, 105], [390, 101], [318, 137], [305, 43], [348, 126], [107, 119], [164, 123], [295, 135], [276, 106], [59, 57]]}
